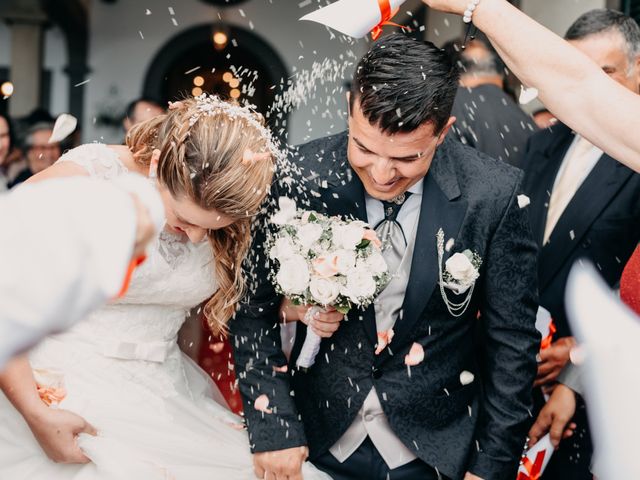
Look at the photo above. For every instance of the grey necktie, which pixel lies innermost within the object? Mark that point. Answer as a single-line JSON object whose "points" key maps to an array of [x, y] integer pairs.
{"points": [[394, 241]]}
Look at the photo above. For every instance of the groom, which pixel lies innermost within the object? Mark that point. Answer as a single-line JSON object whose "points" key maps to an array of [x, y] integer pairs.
{"points": [[461, 411]]}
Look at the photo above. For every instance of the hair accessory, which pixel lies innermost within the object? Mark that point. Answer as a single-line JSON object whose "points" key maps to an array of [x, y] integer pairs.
{"points": [[209, 105], [174, 105]]}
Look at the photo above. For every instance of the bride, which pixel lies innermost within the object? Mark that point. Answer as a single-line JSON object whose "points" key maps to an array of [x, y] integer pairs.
{"points": [[130, 405]]}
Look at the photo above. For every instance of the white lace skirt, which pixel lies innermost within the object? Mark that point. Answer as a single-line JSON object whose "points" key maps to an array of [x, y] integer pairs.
{"points": [[155, 421]]}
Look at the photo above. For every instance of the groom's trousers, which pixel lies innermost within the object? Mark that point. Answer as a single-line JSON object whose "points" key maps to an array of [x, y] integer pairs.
{"points": [[366, 463]]}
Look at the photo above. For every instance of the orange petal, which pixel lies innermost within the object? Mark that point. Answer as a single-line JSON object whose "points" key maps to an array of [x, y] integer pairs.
{"points": [[415, 356], [384, 339], [262, 404]]}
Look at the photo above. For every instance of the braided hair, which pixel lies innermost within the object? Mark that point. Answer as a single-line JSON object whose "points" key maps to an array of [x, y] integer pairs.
{"points": [[202, 158]]}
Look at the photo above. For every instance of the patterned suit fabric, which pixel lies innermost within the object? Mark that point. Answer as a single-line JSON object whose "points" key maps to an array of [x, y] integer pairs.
{"points": [[452, 427]]}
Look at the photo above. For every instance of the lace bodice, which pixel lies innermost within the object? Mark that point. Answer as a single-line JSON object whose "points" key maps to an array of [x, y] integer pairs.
{"points": [[177, 275]]}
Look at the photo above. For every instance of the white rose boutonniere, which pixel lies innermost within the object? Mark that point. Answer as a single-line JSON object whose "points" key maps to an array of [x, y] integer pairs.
{"points": [[460, 271], [459, 275]]}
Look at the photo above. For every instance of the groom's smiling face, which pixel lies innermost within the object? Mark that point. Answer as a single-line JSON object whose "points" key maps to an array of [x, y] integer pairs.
{"points": [[390, 164]]}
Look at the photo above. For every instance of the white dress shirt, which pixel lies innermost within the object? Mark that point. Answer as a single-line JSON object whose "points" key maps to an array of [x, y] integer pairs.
{"points": [[577, 164]]}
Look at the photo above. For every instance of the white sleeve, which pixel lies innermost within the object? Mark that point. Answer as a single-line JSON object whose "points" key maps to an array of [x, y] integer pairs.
{"points": [[97, 159], [65, 246]]}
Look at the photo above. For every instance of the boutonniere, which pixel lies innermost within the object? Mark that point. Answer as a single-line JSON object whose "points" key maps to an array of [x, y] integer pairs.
{"points": [[458, 274]]}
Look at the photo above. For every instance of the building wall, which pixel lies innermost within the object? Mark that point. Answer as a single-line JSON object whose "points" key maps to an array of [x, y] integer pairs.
{"points": [[558, 15], [5, 45], [125, 39], [55, 60]]}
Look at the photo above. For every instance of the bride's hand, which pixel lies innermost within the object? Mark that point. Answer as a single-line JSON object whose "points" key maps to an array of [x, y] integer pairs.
{"points": [[56, 431]]}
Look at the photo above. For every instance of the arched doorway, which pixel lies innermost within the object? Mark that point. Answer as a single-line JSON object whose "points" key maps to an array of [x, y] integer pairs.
{"points": [[190, 63]]}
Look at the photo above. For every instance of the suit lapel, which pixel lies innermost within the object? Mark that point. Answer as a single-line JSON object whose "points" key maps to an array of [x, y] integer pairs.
{"points": [[540, 176], [595, 193], [347, 199], [441, 208]]}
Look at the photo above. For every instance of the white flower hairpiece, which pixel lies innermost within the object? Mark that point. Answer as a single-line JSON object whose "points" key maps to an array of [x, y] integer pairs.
{"points": [[208, 105]]}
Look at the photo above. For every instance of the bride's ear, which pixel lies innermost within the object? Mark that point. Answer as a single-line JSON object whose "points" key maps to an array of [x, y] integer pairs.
{"points": [[153, 164]]}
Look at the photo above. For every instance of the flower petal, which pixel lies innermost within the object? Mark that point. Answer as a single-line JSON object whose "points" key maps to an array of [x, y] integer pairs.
{"points": [[64, 126], [466, 377], [415, 356], [262, 404]]}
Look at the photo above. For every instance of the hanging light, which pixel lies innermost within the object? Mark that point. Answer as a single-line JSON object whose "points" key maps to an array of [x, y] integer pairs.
{"points": [[234, 83], [198, 81], [227, 77], [235, 93], [6, 89], [220, 37], [196, 91]]}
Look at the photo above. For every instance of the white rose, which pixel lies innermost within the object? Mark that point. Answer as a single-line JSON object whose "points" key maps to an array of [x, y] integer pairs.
{"points": [[360, 284], [293, 276], [376, 263], [324, 291], [286, 213], [345, 261], [348, 236], [461, 269], [282, 249], [309, 234]]}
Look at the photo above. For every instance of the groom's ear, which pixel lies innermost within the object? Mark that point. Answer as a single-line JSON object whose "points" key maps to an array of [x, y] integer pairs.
{"points": [[445, 130]]}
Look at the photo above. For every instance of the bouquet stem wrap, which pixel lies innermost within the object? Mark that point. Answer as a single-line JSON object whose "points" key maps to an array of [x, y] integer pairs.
{"points": [[311, 345]]}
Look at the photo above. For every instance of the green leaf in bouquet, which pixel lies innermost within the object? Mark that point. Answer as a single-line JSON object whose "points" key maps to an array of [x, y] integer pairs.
{"points": [[313, 217], [363, 244], [343, 306]]}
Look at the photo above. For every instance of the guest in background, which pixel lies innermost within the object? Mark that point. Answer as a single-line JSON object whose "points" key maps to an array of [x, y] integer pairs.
{"points": [[487, 118], [544, 118], [40, 154], [583, 204], [6, 144], [139, 110]]}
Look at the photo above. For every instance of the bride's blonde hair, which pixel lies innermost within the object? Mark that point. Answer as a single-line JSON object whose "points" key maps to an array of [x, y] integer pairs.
{"points": [[220, 156]]}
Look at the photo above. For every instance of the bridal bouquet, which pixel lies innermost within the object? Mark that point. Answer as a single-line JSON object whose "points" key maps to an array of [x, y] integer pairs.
{"points": [[324, 262]]}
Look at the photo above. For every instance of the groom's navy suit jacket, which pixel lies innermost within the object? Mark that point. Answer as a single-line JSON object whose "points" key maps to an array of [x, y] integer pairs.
{"points": [[480, 426]]}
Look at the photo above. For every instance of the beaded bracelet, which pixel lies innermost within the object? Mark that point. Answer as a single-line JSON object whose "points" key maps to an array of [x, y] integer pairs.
{"points": [[468, 13]]}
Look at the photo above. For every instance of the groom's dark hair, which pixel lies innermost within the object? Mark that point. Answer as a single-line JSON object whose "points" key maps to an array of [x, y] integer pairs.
{"points": [[402, 83]]}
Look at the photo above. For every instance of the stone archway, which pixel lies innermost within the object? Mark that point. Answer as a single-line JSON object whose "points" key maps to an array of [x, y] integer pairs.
{"points": [[191, 54]]}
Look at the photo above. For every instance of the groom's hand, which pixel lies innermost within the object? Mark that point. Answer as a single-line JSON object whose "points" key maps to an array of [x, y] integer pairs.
{"points": [[280, 464], [325, 324]]}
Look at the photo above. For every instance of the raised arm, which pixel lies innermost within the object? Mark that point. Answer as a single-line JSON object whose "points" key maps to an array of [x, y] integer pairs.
{"points": [[570, 85]]}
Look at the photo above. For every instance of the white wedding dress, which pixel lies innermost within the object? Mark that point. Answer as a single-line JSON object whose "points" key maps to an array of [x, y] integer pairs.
{"points": [[123, 373]]}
